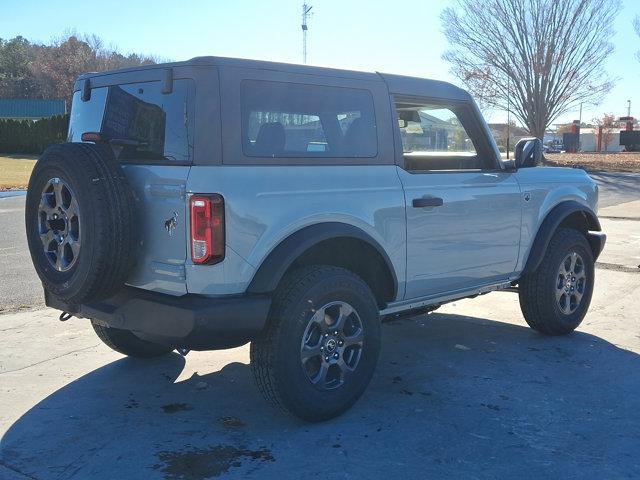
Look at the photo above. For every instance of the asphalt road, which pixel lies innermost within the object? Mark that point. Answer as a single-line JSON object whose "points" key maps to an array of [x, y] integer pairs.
{"points": [[616, 188], [21, 289]]}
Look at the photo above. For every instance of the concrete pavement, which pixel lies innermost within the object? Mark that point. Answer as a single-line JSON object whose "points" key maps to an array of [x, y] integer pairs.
{"points": [[622, 224], [467, 391], [622, 211]]}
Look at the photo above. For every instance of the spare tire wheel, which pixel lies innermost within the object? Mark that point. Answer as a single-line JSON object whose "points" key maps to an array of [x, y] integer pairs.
{"points": [[80, 221]]}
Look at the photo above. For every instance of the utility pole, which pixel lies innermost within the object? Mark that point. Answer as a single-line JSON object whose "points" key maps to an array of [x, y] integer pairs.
{"points": [[580, 117], [305, 16], [579, 127], [508, 116], [628, 108]]}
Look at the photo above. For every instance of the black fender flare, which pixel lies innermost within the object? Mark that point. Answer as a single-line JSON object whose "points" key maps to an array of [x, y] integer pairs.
{"points": [[273, 268], [550, 224]]}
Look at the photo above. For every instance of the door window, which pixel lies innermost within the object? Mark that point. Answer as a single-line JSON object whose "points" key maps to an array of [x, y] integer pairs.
{"points": [[434, 138]]}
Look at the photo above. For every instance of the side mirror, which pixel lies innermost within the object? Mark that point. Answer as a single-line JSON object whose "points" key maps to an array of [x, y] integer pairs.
{"points": [[509, 165], [528, 152]]}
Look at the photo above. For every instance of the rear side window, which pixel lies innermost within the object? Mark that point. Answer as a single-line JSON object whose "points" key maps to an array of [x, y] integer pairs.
{"points": [[143, 124], [296, 120]]}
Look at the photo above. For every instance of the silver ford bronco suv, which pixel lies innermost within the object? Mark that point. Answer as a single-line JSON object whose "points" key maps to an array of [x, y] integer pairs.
{"points": [[214, 202]]}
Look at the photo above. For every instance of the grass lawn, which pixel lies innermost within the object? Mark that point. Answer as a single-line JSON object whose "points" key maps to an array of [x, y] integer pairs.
{"points": [[15, 170]]}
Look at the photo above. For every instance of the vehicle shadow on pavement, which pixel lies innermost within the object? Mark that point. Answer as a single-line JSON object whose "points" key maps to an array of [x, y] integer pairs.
{"points": [[453, 396]]}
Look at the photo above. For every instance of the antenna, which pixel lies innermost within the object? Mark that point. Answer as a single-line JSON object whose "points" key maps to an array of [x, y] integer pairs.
{"points": [[306, 8]]}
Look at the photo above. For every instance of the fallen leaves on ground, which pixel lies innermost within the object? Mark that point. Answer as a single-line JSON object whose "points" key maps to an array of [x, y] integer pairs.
{"points": [[619, 162]]}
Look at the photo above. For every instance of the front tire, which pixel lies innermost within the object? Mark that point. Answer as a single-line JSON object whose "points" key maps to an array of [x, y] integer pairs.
{"points": [[125, 342], [555, 297], [321, 345]]}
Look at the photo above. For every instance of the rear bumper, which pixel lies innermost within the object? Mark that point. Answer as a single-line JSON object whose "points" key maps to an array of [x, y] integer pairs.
{"points": [[192, 321]]}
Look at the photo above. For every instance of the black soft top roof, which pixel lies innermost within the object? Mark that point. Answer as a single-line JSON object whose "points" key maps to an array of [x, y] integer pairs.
{"points": [[397, 84]]}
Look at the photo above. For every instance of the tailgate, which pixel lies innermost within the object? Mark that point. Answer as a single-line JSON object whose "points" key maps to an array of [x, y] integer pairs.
{"points": [[162, 212], [151, 129]]}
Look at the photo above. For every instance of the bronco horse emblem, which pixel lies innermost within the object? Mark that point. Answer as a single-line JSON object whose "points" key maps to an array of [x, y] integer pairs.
{"points": [[171, 224]]}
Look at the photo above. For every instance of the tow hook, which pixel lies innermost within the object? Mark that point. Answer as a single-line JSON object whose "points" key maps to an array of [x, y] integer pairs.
{"points": [[183, 351], [64, 316]]}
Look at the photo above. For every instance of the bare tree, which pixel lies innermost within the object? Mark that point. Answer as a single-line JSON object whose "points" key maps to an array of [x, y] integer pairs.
{"points": [[56, 66], [31, 70], [548, 54], [608, 124]]}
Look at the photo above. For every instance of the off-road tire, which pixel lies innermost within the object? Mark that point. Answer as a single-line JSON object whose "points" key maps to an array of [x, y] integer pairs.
{"points": [[125, 342], [107, 225], [537, 290], [275, 356]]}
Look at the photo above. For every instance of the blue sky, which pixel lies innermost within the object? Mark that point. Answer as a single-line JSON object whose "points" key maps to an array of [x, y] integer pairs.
{"points": [[395, 37]]}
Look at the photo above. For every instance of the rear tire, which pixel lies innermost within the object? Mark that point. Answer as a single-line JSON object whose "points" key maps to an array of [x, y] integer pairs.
{"points": [[321, 345], [125, 342], [555, 297]]}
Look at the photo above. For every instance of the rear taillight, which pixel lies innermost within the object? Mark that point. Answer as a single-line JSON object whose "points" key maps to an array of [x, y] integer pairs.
{"points": [[207, 228]]}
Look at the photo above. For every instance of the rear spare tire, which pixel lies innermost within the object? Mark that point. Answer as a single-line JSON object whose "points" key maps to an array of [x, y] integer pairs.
{"points": [[80, 222]]}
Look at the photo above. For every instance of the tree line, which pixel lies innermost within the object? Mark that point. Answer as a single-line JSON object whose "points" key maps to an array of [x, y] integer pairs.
{"points": [[35, 70], [26, 136]]}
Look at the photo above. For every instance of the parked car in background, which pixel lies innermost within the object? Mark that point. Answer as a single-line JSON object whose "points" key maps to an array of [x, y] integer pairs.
{"points": [[552, 147]]}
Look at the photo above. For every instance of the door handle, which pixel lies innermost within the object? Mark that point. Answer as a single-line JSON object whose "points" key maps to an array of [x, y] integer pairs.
{"points": [[427, 202]]}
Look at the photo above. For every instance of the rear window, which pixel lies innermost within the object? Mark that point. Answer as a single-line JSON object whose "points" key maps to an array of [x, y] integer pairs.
{"points": [[295, 120], [143, 124]]}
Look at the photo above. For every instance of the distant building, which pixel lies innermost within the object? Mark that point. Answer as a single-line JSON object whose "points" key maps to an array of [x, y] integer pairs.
{"points": [[30, 109], [499, 131], [427, 132], [589, 135], [589, 140]]}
